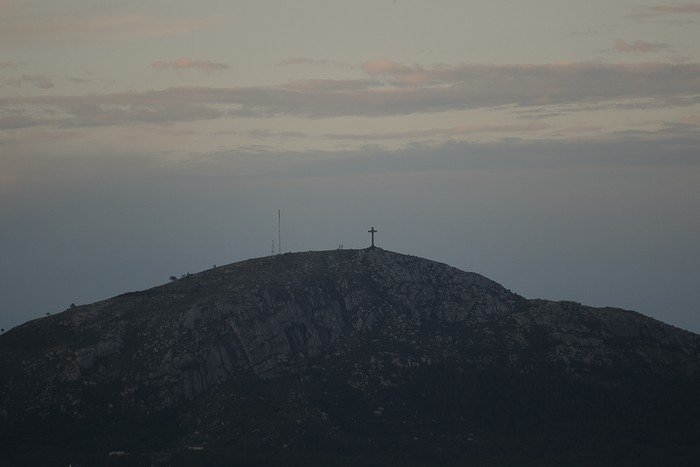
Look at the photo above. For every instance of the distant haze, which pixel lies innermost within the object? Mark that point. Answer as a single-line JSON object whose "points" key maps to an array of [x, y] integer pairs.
{"points": [[553, 147]]}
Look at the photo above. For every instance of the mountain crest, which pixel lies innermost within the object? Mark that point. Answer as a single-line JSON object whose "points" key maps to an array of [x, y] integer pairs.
{"points": [[361, 326]]}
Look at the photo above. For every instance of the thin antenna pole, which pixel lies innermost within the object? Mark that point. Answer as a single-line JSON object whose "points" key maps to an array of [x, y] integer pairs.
{"points": [[279, 231]]}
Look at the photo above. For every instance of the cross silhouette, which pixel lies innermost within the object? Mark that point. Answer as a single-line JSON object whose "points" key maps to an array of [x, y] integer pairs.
{"points": [[372, 231]]}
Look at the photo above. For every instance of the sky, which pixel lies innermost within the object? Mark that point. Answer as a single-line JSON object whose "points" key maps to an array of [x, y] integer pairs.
{"points": [[550, 145]]}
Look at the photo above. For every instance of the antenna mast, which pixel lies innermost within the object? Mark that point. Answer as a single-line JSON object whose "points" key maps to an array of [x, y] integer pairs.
{"points": [[279, 231]]}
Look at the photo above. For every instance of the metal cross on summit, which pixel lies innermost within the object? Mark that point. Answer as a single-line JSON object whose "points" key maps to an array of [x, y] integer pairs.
{"points": [[372, 231]]}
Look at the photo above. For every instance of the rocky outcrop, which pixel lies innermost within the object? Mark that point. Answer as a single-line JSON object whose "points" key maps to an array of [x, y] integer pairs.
{"points": [[371, 318]]}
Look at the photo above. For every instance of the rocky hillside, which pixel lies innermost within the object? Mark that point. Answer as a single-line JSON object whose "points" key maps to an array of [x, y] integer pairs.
{"points": [[347, 357]]}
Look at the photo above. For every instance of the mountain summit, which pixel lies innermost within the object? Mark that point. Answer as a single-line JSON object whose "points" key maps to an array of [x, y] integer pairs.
{"points": [[347, 357]]}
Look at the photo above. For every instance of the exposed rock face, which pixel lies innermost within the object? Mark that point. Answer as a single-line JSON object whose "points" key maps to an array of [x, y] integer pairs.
{"points": [[369, 323]]}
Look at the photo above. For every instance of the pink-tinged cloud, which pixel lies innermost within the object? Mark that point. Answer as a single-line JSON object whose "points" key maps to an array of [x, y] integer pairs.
{"points": [[185, 63], [689, 120], [384, 66], [401, 74], [638, 46], [690, 7]]}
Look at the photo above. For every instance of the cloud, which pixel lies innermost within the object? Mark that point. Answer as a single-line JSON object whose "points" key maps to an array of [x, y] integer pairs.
{"points": [[691, 7], [185, 63], [76, 79], [398, 73], [125, 27], [307, 61], [668, 147], [265, 134], [690, 120], [329, 85], [638, 46], [383, 66], [670, 13], [557, 110], [581, 129], [398, 89], [176, 105], [39, 81], [391, 89], [435, 132]]}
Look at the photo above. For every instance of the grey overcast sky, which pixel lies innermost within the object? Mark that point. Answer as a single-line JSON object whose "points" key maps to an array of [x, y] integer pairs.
{"points": [[551, 145]]}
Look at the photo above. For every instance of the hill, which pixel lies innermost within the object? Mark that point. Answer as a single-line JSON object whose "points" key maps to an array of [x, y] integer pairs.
{"points": [[347, 357]]}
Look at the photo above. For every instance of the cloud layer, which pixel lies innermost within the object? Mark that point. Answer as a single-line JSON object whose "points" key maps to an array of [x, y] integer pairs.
{"points": [[186, 63], [39, 81], [670, 13], [638, 46], [453, 131], [307, 61], [392, 88], [690, 7], [117, 26]]}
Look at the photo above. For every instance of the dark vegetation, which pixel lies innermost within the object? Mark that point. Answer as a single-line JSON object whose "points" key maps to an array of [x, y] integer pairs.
{"points": [[487, 390], [442, 415]]}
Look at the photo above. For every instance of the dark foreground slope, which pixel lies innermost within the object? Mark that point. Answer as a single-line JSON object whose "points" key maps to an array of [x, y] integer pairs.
{"points": [[348, 357]]}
